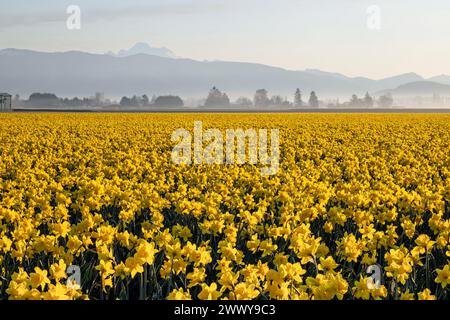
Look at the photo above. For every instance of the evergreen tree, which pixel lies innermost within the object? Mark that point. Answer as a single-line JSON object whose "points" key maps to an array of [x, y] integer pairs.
{"points": [[145, 100], [313, 100], [298, 103]]}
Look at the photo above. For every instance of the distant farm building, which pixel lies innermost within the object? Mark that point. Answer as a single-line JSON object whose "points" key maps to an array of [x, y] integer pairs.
{"points": [[5, 102]]}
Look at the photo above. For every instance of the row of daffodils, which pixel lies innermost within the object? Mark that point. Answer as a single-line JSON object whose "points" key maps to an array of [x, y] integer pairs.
{"points": [[99, 192]]}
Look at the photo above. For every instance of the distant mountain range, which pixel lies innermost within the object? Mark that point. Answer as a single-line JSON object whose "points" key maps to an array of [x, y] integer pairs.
{"points": [[445, 79], [419, 88], [144, 48], [144, 69]]}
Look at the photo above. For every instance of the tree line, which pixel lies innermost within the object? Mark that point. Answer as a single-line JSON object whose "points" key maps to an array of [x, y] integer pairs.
{"points": [[51, 100], [215, 99], [143, 101], [261, 99]]}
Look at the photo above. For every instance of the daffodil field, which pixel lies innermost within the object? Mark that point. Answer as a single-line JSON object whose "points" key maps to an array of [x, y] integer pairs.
{"points": [[101, 192]]}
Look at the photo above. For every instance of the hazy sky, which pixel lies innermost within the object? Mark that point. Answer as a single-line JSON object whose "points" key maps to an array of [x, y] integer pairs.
{"points": [[330, 35]]}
